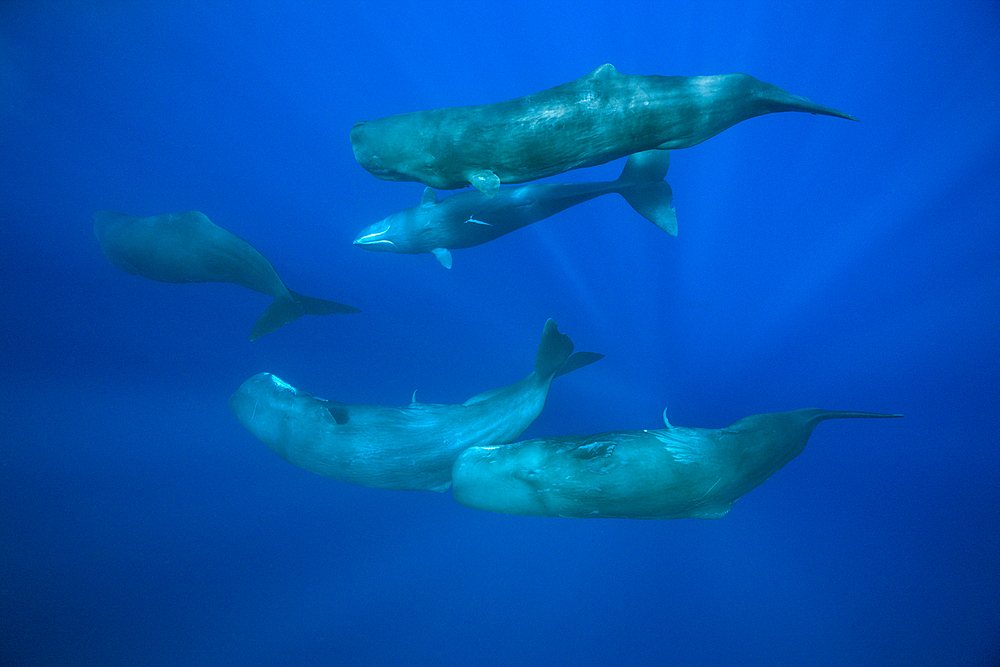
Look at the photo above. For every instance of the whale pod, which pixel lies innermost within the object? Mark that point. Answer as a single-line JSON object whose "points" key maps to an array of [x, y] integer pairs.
{"points": [[671, 473], [409, 448], [592, 120]]}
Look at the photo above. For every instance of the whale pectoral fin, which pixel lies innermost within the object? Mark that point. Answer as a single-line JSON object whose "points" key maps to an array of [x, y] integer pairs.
{"points": [[443, 255], [485, 181], [429, 198]]}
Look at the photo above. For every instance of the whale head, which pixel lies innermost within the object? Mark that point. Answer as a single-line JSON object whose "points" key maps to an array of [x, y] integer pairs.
{"points": [[377, 237], [277, 414], [399, 148]]}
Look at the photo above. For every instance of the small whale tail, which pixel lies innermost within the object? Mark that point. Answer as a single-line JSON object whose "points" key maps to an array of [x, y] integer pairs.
{"points": [[285, 310], [555, 354], [645, 190]]}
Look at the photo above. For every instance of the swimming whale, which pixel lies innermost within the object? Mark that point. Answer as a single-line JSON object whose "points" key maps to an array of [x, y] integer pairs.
{"points": [[592, 120], [189, 248], [470, 218], [671, 473], [411, 448]]}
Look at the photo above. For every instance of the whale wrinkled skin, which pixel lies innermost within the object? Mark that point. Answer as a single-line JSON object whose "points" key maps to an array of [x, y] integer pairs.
{"points": [[471, 218], [671, 473], [190, 248], [411, 448], [592, 120]]}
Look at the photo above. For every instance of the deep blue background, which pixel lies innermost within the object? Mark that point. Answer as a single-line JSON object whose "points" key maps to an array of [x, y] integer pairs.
{"points": [[819, 263]]}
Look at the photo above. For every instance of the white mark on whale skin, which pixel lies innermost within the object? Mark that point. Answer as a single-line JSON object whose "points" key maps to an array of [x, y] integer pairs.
{"points": [[478, 222], [698, 502], [281, 384]]}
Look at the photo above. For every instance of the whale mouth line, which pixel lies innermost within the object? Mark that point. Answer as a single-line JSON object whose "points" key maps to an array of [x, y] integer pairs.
{"points": [[372, 239]]}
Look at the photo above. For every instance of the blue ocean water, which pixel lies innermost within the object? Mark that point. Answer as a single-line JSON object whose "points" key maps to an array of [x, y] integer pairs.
{"points": [[820, 263]]}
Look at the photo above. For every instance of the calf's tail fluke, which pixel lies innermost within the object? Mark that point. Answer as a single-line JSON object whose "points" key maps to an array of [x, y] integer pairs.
{"points": [[283, 311], [555, 354], [645, 190]]}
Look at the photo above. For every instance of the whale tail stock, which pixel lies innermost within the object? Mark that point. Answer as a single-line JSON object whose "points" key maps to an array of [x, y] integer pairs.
{"points": [[645, 190], [283, 311], [555, 354]]}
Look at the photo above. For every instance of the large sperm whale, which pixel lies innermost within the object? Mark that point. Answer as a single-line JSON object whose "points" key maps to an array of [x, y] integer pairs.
{"points": [[671, 473], [190, 248], [411, 448], [592, 120], [470, 218]]}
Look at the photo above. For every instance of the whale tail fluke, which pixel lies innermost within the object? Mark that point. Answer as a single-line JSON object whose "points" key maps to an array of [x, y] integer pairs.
{"points": [[645, 190], [555, 354], [314, 306], [817, 415], [798, 103], [578, 360], [283, 311], [280, 312], [778, 99]]}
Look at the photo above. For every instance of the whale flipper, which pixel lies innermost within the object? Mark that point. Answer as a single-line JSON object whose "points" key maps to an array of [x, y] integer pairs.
{"points": [[485, 181], [443, 255]]}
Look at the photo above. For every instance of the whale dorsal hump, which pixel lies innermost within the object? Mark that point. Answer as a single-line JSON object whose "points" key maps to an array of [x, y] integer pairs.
{"points": [[429, 198], [607, 70], [443, 255]]}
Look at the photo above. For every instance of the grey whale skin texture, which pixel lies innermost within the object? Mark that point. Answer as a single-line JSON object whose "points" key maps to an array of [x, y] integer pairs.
{"points": [[190, 248], [592, 120], [671, 473], [471, 218], [411, 448]]}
